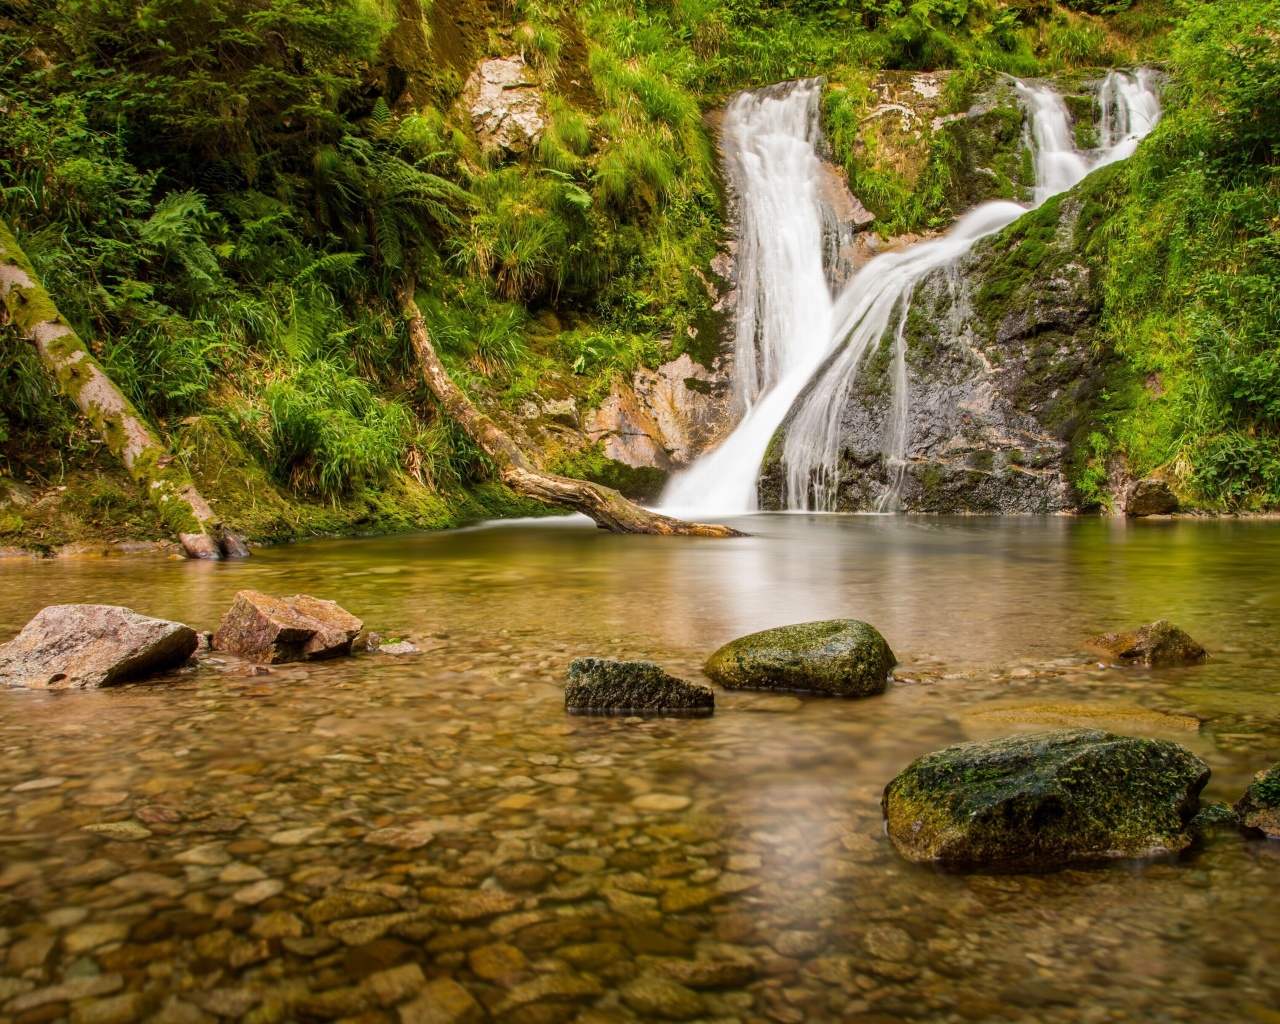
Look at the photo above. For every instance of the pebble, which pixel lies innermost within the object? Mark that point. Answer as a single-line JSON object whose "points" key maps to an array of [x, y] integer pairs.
{"points": [[661, 802]]}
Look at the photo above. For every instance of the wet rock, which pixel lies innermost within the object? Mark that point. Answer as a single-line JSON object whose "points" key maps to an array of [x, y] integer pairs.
{"points": [[496, 961], [122, 1009], [1159, 643], [399, 647], [550, 988], [1259, 808], [443, 1001], [1149, 497], [521, 875], [1034, 801], [654, 996], [597, 684], [843, 657], [709, 973], [84, 646], [505, 103], [396, 984], [276, 629]]}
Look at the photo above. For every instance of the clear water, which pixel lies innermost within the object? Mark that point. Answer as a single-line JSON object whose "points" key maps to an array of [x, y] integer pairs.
{"points": [[782, 823]]}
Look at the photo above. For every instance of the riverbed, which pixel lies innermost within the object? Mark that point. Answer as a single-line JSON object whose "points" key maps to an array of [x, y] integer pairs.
{"points": [[327, 841]]}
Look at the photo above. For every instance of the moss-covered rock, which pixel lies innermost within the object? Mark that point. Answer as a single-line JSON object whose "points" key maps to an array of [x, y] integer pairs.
{"points": [[1037, 801], [1153, 645], [843, 657], [622, 687], [1259, 808]]}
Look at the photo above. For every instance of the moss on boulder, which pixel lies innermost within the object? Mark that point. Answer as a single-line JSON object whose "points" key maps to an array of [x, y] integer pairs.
{"points": [[1157, 644], [1259, 808], [1037, 801], [602, 685], [842, 657]]}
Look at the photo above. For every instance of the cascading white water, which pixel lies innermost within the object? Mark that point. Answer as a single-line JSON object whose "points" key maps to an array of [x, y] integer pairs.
{"points": [[773, 168], [784, 303]]}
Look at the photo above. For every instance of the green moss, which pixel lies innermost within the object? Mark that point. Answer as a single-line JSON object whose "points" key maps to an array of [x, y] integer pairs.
{"points": [[640, 483], [845, 657]]}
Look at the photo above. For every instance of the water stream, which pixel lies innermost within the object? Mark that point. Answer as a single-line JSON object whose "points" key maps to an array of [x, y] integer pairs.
{"points": [[210, 842], [793, 341]]}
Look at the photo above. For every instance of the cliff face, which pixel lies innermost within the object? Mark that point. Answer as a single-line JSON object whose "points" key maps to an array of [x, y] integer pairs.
{"points": [[1002, 373]]}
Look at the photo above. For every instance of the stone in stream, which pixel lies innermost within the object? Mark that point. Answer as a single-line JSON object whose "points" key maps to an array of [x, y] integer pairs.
{"points": [[276, 629], [1036, 801], [85, 646], [1259, 808], [842, 657], [1149, 497], [1159, 643], [598, 684]]}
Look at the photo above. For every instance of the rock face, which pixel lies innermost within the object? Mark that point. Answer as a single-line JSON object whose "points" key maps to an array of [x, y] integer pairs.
{"points": [[1036, 801], [1259, 808], [597, 684], [843, 657], [275, 629], [505, 104], [1149, 497], [1159, 643], [85, 646], [665, 418]]}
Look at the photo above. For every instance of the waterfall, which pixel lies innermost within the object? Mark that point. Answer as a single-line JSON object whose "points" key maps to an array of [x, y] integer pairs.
{"points": [[784, 301], [796, 350]]}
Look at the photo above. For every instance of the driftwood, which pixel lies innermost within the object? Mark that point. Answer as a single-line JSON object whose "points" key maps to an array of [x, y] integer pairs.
{"points": [[609, 509], [82, 379]]}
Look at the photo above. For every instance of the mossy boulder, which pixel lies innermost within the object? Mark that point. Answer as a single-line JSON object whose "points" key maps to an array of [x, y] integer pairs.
{"points": [[604, 686], [1154, 645], [1038, 801], [1259, 808], [843, 657]]}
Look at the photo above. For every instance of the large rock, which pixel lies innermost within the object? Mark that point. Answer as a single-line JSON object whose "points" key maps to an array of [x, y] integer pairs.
{"points": [[1149, 497], [1159, 643], [1036, 801], [275, 629], [1259, 808], [597, 684], [84, 646], [844, 657], [505, 103]]}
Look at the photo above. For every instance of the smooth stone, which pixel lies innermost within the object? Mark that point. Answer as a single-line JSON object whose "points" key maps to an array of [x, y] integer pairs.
{"points": [[1259, 808], [556, 988], [840, 657], [1156, 644], [1149, 497], [655, 996], [85, 646], [661, 802], [496, 961], [278, 629], [396, 984], [400, 648], [630, 687], [127, 831], [442, 1001], [1034, 801], [699, 974]]}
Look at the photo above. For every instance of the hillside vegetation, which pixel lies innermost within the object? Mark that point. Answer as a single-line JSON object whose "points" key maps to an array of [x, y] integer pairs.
{"points": [[221, 196]]}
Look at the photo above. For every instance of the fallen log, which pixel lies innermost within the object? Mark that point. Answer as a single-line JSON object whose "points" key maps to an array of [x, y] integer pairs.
{"points": [[83, 380], [610, 510]]}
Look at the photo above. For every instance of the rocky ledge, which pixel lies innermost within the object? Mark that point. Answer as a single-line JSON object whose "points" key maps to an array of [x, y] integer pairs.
{"points": [[1038, 801]]}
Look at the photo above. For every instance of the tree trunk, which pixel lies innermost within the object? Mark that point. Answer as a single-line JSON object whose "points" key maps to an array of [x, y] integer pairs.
{"points": [[83, 380], [609, 509]]}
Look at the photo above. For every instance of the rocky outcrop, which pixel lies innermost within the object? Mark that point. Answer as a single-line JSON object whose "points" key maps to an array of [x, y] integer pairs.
{"points": [[664, 418], [85, 646], [275, 629], [841, 657], [1149, 497], [1038, 801], [1259, 808], [632, 687], [504, 100], [1003, 369], [1158, 644]]}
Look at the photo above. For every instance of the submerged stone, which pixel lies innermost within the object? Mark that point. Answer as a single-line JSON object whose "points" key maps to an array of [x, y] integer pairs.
{"points": [[84, 646], [276, 629], [844, 657], [598, 684], [1149, 497], [1259, 808], [1153, 645], [1037, 801]]}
